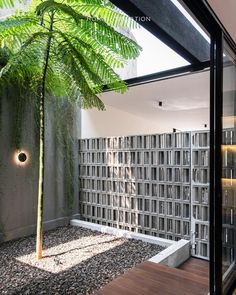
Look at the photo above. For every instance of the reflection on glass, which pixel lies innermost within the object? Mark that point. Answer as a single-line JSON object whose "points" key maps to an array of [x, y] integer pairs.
{"points": [[228, 167]]}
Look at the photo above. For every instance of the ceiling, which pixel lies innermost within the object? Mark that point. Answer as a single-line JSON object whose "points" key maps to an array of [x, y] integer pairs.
{"points": [[183, 93], [226, 12]]}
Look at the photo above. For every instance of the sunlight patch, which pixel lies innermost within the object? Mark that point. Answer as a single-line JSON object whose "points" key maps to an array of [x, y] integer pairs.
{"points": [[65, 256]]}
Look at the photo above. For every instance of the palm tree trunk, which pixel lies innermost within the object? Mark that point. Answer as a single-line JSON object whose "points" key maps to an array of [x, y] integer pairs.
{"points": [[39, 237]]}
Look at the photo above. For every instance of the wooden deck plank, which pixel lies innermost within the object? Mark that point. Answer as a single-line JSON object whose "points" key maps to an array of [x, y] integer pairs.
{"points": [[170, 283], [200, 267], [174, 271], [149, 278]]}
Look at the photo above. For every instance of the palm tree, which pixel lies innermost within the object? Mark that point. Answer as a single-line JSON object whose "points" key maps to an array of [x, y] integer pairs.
{"points": [[66, 49]]}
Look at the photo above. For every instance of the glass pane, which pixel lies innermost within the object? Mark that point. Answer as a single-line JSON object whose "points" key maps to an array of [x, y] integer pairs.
{"points": [[229, 166]]}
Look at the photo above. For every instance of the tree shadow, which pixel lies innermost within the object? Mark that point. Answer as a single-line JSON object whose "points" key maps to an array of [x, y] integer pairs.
{"points": [[78, 248], [51, 238], [83, 278]]}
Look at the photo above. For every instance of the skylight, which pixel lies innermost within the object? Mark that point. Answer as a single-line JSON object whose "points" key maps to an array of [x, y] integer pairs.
{"points": [[176, 40], [156, 56]]}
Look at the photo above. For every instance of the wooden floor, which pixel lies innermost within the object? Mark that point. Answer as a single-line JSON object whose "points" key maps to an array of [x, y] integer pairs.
{"points": [[149, 278], [198, 266]]}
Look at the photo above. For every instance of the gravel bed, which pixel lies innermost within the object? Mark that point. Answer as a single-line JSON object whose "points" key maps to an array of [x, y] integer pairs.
{"points": [[76, 261]]}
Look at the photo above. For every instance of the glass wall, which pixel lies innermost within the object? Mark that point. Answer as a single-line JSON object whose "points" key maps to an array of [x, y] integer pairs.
{"points": [[228, 167]]}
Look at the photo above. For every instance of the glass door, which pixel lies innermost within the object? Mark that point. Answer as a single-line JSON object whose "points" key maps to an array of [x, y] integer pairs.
{"points": [[222, 150], [228, 181]]}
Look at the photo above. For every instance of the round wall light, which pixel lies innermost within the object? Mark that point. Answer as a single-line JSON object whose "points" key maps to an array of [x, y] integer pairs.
{"points": [[21, 158]]}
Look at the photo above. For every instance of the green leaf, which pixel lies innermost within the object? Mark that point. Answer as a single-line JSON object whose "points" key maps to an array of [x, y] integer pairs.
{"points": [[111, 16], [12, 23], [7, 3], [14, 30]]}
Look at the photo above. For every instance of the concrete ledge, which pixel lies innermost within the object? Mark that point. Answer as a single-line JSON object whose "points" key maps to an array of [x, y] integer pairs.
{"points": [[174, 255], [76, 216], [122, 233]]}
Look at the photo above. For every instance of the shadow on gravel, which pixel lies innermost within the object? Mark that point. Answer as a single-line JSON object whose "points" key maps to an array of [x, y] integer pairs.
{"points": [[78, 248], [85, 277], [51, 238]]}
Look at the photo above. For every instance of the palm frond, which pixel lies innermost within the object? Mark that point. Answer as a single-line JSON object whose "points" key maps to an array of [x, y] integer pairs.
{"points": [[98, 27], [86, 48], [6, 3], [12, 23], [38, 36], [15, 29], [23, 69], [75, 47], [98, 32], [111, 15], [113, 59], [80, 88], [51, 5], [96, 70], [95, 2]]}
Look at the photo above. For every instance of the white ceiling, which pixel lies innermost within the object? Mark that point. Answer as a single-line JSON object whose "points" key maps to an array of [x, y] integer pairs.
{"points": [[226, 12], [183, 93]]}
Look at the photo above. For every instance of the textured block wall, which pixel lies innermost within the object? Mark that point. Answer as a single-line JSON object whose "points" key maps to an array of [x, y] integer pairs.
{"points": [[153, 184]]}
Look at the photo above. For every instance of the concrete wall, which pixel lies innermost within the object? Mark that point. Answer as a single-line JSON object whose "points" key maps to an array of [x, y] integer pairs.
{"points": [[116, 122], [18, 184]]}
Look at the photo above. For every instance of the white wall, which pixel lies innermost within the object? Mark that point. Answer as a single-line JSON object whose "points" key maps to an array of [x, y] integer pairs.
{"points": [[112, 122], [115, 122]]}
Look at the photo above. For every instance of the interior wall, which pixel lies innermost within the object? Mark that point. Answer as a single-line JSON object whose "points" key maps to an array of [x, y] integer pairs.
{"points": [[116, 122]]}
